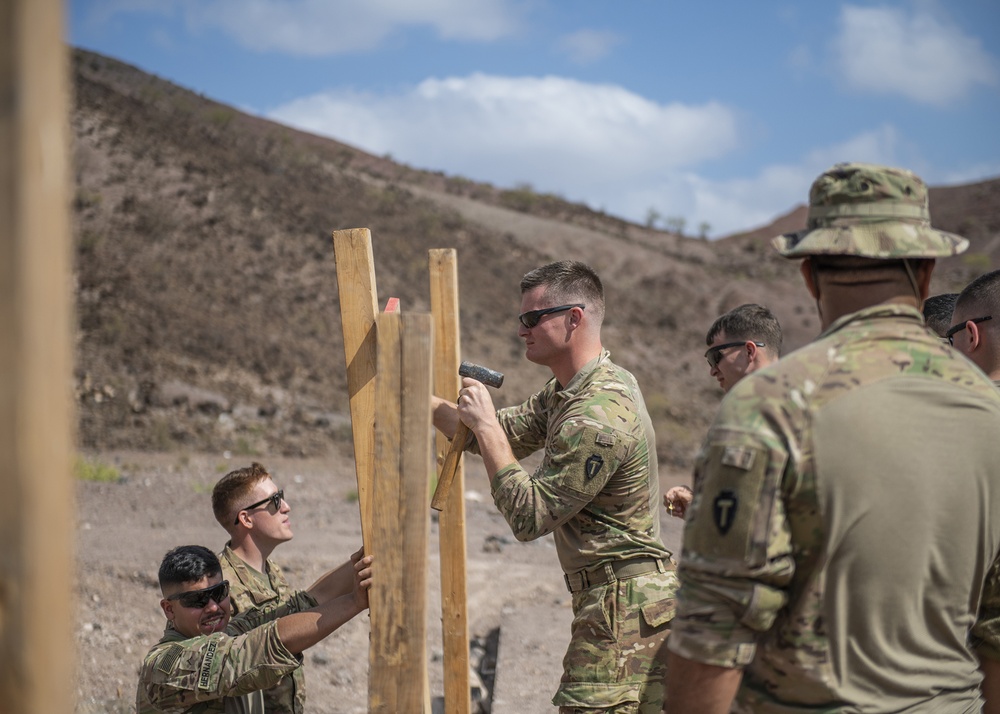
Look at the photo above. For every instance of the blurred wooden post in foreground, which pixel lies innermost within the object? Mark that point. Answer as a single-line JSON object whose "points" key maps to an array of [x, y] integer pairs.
{"points": [[36, 514], [358, 307], [397, 672], [454, 610]]}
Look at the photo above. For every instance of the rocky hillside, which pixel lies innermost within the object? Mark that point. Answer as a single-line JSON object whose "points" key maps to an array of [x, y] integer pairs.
{"points": [[206, 284]]}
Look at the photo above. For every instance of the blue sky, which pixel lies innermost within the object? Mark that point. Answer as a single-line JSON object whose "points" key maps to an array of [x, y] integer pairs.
{"points": [[720, 113]]}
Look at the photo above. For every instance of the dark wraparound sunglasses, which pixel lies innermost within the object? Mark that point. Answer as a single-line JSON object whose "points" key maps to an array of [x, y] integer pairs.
{"points": [[955, 329], [714, 354], [275, 499], [200, 598], [530, 319]]}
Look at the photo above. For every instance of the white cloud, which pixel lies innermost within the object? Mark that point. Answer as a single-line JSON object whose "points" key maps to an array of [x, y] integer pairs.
{"points": [[918, 55], [599, 144], [585, 141], [587, 46], [740, 204], [330, 27], [319, 28]]}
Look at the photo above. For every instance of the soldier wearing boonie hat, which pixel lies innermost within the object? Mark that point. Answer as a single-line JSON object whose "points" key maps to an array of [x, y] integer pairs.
{"points": [[839, 554]]}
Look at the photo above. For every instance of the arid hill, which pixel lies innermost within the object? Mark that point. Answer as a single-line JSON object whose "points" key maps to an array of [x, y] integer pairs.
{"points": [[206, 285]]}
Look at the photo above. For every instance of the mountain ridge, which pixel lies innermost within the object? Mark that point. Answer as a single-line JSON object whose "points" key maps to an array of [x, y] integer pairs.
{"points": [[208, 317]]}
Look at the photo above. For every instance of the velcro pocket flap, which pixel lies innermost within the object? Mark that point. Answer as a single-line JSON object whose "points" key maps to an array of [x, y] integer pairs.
{"points": [[659, 613]]}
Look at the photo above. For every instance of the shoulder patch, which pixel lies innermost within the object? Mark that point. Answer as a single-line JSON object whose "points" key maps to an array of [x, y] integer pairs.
{"points": [[602, 439], [593, 466], [724, 507], [740, 457]]}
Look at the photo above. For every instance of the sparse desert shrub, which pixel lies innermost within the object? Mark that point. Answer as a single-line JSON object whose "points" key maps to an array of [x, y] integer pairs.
{"points": [[89, 470]]}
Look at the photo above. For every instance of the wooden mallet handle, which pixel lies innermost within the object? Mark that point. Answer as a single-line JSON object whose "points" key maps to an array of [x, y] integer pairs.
{"points": [[488, 377], [450, 467]]}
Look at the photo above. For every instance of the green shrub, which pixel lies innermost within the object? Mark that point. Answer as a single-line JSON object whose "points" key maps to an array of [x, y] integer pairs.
{"points": [[87, 470]]}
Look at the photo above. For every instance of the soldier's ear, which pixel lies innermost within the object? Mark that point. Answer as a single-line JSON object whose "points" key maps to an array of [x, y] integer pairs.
{"points": [[975, 338], [806, 268], [924, 270], [168, 608]]}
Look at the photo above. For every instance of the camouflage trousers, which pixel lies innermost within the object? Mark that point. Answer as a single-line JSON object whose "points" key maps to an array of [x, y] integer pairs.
{"points": [[617, 656]]}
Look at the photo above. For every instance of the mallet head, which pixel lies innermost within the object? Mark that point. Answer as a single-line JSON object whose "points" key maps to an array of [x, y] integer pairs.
{"points": [[482, 374]]}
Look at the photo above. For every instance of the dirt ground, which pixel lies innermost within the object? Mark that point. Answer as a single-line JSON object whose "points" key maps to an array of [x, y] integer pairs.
{"points": [[163, 500]]}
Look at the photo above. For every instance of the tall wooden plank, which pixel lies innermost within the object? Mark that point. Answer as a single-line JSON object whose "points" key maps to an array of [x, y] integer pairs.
{"points": [[386, 597], [414, 505], [36, 413], [443, 266], [358, 306], [400, 527]]}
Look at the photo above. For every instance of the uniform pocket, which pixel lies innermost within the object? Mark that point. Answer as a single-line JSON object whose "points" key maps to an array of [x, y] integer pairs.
{"points": [[659, 613]]}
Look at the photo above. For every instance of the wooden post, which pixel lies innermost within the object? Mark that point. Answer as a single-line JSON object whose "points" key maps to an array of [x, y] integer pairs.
{"points": [[36, 364], [454, 610], [358, 307], [400, 532]]}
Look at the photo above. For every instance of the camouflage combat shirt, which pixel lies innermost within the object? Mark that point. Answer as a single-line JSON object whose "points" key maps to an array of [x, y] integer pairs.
{"points": [[597, 488], [250, 590], [843, 522], [221, 672]]}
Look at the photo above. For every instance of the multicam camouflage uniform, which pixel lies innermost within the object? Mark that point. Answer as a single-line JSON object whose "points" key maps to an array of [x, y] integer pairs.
{"points": [[597, 491], [222, 672], [845, 499], [249, 591]]}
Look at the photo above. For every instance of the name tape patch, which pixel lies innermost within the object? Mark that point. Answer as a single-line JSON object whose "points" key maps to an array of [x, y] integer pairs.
{"points": [[206, 665]]}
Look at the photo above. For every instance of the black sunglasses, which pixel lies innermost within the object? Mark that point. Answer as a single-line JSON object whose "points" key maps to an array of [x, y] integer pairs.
{"points": [[200, 598], [714, 354], [530, 319], [275, 499], [955, 329]]}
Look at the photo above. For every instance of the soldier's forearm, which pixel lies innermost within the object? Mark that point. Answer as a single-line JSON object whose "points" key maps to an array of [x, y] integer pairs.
{"points": [[444, 414], [302, 630], [333, 583], [494, 448]]}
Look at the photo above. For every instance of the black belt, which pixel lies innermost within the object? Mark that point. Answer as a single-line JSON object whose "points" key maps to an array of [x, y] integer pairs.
{"points": [[617, 570]]}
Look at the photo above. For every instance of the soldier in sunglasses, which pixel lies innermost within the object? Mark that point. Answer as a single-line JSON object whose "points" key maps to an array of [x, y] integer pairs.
{"points": [[974, 332], [254, 512], [207, 662], [596, 491], [744, 340]]}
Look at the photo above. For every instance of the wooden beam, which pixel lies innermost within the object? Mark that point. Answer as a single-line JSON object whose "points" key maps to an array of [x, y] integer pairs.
{"points": [[36, 363], [443, 266], [397, 671], [358, 306]]}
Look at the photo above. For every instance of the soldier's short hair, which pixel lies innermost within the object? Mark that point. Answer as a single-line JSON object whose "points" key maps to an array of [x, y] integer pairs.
{"points": [[187, 564], [748, 322], [982, 294], [938, 310], [569, 280], [232, 490]]}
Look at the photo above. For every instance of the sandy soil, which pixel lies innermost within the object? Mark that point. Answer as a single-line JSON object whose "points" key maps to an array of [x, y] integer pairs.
{"points": [[163, 500]]}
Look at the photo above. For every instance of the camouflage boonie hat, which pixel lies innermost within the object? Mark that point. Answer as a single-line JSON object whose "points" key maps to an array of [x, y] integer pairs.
{"points": [[871, 212]]}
